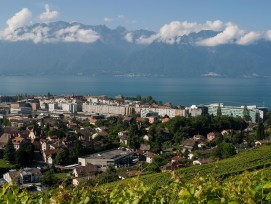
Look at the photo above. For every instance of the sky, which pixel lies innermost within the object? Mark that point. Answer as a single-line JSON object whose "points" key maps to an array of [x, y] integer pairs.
{"points": [[146, 14], [238, 21]]}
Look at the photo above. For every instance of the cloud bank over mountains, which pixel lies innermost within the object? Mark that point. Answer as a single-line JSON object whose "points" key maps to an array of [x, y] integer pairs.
{"points": [[19, 29]]}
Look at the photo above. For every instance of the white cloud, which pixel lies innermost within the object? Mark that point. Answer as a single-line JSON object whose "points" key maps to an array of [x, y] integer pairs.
{"points": [[76, 34], [20, 19], [48, 14], [108, 20], [37, 35], [230, 33], [17, 31], [248, 38], [147, 40], [171, 33], [268, 35], [129, 37]]}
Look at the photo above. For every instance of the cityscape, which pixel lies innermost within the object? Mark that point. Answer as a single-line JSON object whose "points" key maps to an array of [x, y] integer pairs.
{"points": [[84, 136], [119, 102]]}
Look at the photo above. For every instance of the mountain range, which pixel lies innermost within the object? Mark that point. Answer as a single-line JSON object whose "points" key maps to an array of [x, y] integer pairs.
{"points": [[77, 49]]}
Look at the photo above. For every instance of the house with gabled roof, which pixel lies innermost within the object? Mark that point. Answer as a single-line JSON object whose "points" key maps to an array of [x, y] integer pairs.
{"points": [[49, 155], [87, 170], [23, 176]]}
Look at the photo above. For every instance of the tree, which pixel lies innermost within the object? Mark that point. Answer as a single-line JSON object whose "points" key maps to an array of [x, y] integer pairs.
{"points": [[246, 115], [77, 150], [62, 157], [109, 175], [219, 112], [224, 150], [49, 178], [260, 131], [25, 155], [9, 151]]}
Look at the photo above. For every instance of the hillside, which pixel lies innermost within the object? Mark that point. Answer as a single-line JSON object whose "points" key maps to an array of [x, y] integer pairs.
{"points": [[257, 158], [252, 187]]}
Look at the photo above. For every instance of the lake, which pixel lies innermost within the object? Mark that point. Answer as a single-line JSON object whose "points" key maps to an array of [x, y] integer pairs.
{"points": [[184, 91]]}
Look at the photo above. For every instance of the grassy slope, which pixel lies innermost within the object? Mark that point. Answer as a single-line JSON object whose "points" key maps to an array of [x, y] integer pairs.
{"points": [[256, 158]]}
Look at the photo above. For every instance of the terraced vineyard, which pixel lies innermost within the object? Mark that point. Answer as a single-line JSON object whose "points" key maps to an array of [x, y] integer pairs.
{"points": [[253, 159], [204, 186]]}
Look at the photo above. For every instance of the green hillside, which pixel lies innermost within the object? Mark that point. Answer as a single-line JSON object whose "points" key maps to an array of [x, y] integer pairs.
{"points": [[245, 178], [253, 159]]}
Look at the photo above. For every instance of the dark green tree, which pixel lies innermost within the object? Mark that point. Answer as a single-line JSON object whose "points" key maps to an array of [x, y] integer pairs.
{"points": [[219, 112], [49, 178], [260, 135], [62, 157], [25, 155], [109, 175], [9, 151], [246, 115], [224, 150], [76, 151]]}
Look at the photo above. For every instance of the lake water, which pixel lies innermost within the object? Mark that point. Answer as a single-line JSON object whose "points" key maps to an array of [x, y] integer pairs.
{"points": [[186, 91]]}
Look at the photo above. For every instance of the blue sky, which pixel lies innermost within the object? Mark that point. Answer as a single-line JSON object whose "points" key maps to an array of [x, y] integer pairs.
{"points": [[151, 14]]}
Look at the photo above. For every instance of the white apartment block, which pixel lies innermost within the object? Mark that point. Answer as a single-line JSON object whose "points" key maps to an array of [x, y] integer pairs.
{"points": [[52, 107], [69, 107], [106, 109], [162, 112]]}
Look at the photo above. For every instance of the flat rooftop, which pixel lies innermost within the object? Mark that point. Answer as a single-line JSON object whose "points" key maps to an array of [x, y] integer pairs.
{"points": [[110, 154]]}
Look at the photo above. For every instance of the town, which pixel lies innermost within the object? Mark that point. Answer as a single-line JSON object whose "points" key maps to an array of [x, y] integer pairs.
{"points": [[89, 140]]}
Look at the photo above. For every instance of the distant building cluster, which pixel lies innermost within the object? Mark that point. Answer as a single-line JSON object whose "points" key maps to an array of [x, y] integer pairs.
{"points": [[102, 105]]}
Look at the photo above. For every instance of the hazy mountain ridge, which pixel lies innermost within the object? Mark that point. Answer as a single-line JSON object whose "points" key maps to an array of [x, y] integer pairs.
{"points": [[117, 52]]}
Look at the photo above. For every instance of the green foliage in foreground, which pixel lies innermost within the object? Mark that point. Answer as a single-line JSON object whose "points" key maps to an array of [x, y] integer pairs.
{"points": [[249, 188]]}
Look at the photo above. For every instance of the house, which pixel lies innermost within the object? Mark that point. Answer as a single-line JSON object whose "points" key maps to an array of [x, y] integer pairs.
{"points": [[146, 138], [23, 133], [4, 139], [85, 133], [149, 157], [81, 180], [49, 155], [116, 157], [165, 120], [261, 142], [171, 166], [18, 142], [24, 176], [102, 134], [212, 135], [176, 159], [124, 138], [127, 119], [145, 147], [199, 137], [87, 170], [226, 132], [189, 145], [129, 174], [32, 135], [202, 161]]}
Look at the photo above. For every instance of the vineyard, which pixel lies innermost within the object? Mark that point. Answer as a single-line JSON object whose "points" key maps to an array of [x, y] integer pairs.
{"points": [[249, 187], [253, 159], [245, 178]]}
